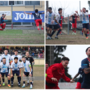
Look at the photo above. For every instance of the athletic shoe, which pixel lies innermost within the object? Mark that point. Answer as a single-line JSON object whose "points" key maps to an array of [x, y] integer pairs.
{"points": [[0, 85], [31, 86], [19, 85], [48, 37], [27, 84], [86, 37], [3, 84], [38, 28], [9, 85], [42, 28], [23, 86], [56, 37], [72, 33]]}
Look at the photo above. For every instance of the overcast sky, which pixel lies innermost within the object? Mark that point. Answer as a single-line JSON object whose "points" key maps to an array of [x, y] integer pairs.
{"points": [[69, 6], [76, 53]]}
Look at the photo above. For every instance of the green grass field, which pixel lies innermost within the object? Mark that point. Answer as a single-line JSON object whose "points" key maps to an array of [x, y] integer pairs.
{"points": [[38, 84], [21, 37], [69, 39]]}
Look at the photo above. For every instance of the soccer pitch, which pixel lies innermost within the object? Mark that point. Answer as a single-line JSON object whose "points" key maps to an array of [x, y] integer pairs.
{"points": [[69, 39], [21, 36], [38, 70]]}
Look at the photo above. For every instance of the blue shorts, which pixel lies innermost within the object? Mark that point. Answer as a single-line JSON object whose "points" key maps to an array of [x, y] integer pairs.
{"points": [[16, 72], [4, 74], [86, 25], [26, 73]]}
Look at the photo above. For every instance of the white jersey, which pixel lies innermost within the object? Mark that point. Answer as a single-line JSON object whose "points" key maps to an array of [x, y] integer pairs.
{"points": [[85, 17], [50, 18], [4, 67], [26, 66], [58, 18], [0, 59], [15, 66], [18, 56], [8, 58]]}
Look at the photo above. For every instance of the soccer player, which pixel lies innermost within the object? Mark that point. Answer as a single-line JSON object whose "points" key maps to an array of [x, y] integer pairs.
{"points": [[31, 60], [74, 22], [55, 72], [85, 21], [80, 72], [37, 18], [85, 65], [27, 70], [5, 71], [16, 55], [50, 17], [7, 56], [2, 23], [59, 19], [16, 69]]}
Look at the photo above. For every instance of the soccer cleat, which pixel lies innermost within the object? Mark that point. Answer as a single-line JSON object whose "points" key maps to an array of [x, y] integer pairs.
{"points": [[3, 84], [42, 28], [23, 86], [48, 37], [31, 86], [0, 85], [19, 85], [38, 28], [56, 37], [9, 85], [86, 37]]}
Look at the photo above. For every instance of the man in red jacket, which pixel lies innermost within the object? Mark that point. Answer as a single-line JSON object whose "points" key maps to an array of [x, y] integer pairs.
{"points": [[55, 72]]}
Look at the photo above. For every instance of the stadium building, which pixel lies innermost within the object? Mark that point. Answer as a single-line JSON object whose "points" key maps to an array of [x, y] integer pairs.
{"points": [[11, 7]]}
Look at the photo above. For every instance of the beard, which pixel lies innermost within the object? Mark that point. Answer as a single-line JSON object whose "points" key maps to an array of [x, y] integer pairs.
{"points": [[89, 56]]}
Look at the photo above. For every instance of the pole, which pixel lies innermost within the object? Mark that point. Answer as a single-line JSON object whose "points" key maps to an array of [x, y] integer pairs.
{"points": [[12, 16], [80, 9], [34, 10], [68, 24]]}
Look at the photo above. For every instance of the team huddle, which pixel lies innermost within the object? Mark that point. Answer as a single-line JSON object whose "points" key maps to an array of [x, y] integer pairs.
{"points": [[54, 22], [16, 64]]}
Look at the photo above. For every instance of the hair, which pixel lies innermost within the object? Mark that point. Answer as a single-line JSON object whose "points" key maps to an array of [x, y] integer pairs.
{"points": [[16, 58], [3, 14], [59, 9], [36, 10], [86, 10], [27, 51], [4, 58], [15, 50], [23, 56], [87, 49], [50, 8], [5, 49], [65, 58]]}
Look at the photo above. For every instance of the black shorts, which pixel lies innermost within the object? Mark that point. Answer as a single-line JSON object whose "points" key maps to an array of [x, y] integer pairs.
{"points": [[16, 72], [86, 25], [57, 26], [49, 26], [26, 73], [80, 79], [4, 74]]}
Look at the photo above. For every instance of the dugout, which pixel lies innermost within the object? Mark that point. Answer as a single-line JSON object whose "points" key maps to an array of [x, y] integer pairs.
{"points": [[8, 9]]}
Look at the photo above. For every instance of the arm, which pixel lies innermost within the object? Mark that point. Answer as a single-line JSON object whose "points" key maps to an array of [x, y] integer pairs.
{"points": [[75, 76], [28, 13]]}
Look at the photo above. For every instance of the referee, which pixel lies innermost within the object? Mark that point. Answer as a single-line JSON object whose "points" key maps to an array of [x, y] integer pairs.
{"points": [[31, 60]]}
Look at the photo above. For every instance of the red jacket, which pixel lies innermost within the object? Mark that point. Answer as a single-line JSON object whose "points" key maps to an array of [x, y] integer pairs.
{"points": [[56, 71]]}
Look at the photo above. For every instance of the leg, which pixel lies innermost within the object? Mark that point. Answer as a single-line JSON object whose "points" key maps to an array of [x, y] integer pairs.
{"points": [[37, 24], [3, 79], [8, 80], [23, 80], [12, 78], [40, 22], [0, 79], [78, 86]]}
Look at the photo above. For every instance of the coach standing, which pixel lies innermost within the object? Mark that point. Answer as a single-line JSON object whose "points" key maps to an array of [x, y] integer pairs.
{"points": [[31, 60], [85, 64]]}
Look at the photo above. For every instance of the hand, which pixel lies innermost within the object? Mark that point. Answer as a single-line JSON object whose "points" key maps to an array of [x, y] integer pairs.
{"points": [[54, 79], [30, 74], [71, 81], [76, 11], [52, 22]]}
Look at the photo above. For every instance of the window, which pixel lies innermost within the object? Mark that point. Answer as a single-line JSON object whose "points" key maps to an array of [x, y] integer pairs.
{"points": [[3, 3], [18, 2], [32, 2]]}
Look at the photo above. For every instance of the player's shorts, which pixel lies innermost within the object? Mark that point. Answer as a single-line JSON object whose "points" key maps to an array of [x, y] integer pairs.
{"points": [[86, 25], [26, 73], [78, 86], [60, 25], [74, 25], [38, 22], [49, 26], [7, 74], [80, 80], [16, 72], [57, 26]]}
